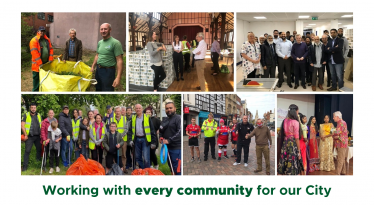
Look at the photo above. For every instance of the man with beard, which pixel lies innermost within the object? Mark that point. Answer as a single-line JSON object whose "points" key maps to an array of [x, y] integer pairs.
{"points": [[269, 57], [262, 40], [346, 44], [170, 134], [335, 60], [316, 60], [288, 34], [299, 55], [326, 65], [243, 130], [275, 34], [262, 138], [30, 125], [109, 56], [266, 35], [283, 49]]}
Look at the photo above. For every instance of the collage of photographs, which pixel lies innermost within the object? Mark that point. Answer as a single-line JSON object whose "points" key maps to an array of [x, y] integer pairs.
{"points": [[163, 93]]}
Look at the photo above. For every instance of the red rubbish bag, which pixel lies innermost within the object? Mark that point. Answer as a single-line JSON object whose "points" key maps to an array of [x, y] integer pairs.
{"points": [[147, 171], [84, 167]]}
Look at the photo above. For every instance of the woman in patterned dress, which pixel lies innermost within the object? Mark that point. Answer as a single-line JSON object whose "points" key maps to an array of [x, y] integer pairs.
{"points": [[290, 162], [251, 54], [326, 145], [313, 145]]}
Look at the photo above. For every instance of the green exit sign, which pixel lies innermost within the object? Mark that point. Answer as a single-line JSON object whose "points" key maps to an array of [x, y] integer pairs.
{"points": [[314, 17]]}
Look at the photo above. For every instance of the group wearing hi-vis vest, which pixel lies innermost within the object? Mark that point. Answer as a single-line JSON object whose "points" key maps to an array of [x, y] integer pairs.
{"points": [[103, 138]]}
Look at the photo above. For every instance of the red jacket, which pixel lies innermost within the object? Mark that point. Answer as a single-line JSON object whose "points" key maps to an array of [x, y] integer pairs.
{"points": [[223, 135], [44, 130], [234, 137]]}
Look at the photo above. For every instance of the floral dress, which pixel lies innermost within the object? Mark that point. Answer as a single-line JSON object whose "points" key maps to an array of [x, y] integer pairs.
{"points": [[325, 149], [289, 163], [253, 51]]}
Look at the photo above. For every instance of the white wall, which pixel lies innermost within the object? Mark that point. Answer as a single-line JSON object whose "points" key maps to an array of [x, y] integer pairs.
{"points": [[306, 108], [258, 28]]}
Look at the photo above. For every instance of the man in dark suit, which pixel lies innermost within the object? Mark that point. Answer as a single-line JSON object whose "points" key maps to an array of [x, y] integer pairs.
{"points": [[269, 57], [73, 48], [335, 59]]}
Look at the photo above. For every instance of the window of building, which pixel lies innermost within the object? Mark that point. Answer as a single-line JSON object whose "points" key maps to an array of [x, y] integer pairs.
{"points": [[41, 15], [50, 18], [205, 106]]}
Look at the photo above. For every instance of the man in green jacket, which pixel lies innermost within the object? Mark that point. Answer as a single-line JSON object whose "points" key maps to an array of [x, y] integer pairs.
{"points": [[209, 127]]}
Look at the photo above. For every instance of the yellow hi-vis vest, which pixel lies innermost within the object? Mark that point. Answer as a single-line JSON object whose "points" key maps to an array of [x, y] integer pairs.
{"points": [[75, 128], [147, 129], [28, 122], [193, 45], [91, 144], [212, 128], [120, 125], [185, 48]]}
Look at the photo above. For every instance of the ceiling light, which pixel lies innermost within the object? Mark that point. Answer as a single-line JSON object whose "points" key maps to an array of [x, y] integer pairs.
{"points": [[339, 23], [351, 15], [303, 17], [312, 24], [259, 17], [308, 26]]}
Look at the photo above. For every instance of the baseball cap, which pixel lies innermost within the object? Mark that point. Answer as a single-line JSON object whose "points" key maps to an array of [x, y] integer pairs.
{"points": [[41, 28]]}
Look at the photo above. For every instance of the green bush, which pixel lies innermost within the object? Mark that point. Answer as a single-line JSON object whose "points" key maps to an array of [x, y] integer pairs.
{"points": [[25, 59]]}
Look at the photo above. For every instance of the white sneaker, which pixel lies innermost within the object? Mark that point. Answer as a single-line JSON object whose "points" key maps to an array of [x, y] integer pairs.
{"points": [[151, 166], [156, 167], [245, 165], [51, 171], [236, 164], [57, 169]]}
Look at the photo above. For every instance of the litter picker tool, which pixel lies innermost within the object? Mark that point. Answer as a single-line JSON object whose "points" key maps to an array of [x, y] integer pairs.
{"points": [[43, 160]]}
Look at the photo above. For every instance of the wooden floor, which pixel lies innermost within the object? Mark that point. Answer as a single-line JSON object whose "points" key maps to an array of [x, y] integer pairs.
{"points": [[332, 172], [220, 82]]}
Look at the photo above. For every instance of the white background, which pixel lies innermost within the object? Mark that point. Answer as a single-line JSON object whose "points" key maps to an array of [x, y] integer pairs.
{"points": [[27, 190]]}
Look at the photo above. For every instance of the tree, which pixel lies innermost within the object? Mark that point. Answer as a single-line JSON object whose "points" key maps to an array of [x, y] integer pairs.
{"points": [[26, 30], [177, 101]]}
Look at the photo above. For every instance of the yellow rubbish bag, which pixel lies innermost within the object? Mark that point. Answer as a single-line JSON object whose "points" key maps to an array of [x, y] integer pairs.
{"points": [[51, 81]]}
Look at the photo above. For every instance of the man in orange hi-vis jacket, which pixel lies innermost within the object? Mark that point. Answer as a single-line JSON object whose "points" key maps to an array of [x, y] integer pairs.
{"points": [[42, 53]]}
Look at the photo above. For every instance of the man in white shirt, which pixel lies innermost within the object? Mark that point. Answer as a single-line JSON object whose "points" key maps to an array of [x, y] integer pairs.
{"points": [[200, 53]]}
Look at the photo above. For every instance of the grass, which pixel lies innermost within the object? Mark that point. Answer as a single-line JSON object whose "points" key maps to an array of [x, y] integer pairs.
{"points": [[87, 57], [34, 165]]}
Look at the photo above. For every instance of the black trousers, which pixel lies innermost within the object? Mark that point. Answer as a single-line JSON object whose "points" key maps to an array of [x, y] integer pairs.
{"points": [[109, 160], [215, 57], [269, 71], [320, 76], [128, 157], [159, 75], [97, 154], [187, 61], [252, 74], [308, 72], [178, 63], [327, 68], [299, 70], [32, 140], [245, 147], [53, 156], [212, 142], [153, 157], [284, 65]]}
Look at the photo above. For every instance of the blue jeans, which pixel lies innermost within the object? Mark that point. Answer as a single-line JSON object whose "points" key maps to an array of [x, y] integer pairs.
{"points": [[64, 145], [337, 71], [142, 150], [175, 157], [105, 79], [84, 150]]}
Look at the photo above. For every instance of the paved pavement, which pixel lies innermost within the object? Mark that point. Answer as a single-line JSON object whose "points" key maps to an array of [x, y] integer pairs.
{"points": [[225, 166]]}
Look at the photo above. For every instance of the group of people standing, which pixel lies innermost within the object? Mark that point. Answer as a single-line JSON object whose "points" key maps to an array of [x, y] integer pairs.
{"points": [[181, 53], [300, 153], [104, 137], [301, 58], [240, 134], [109, 56]]}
